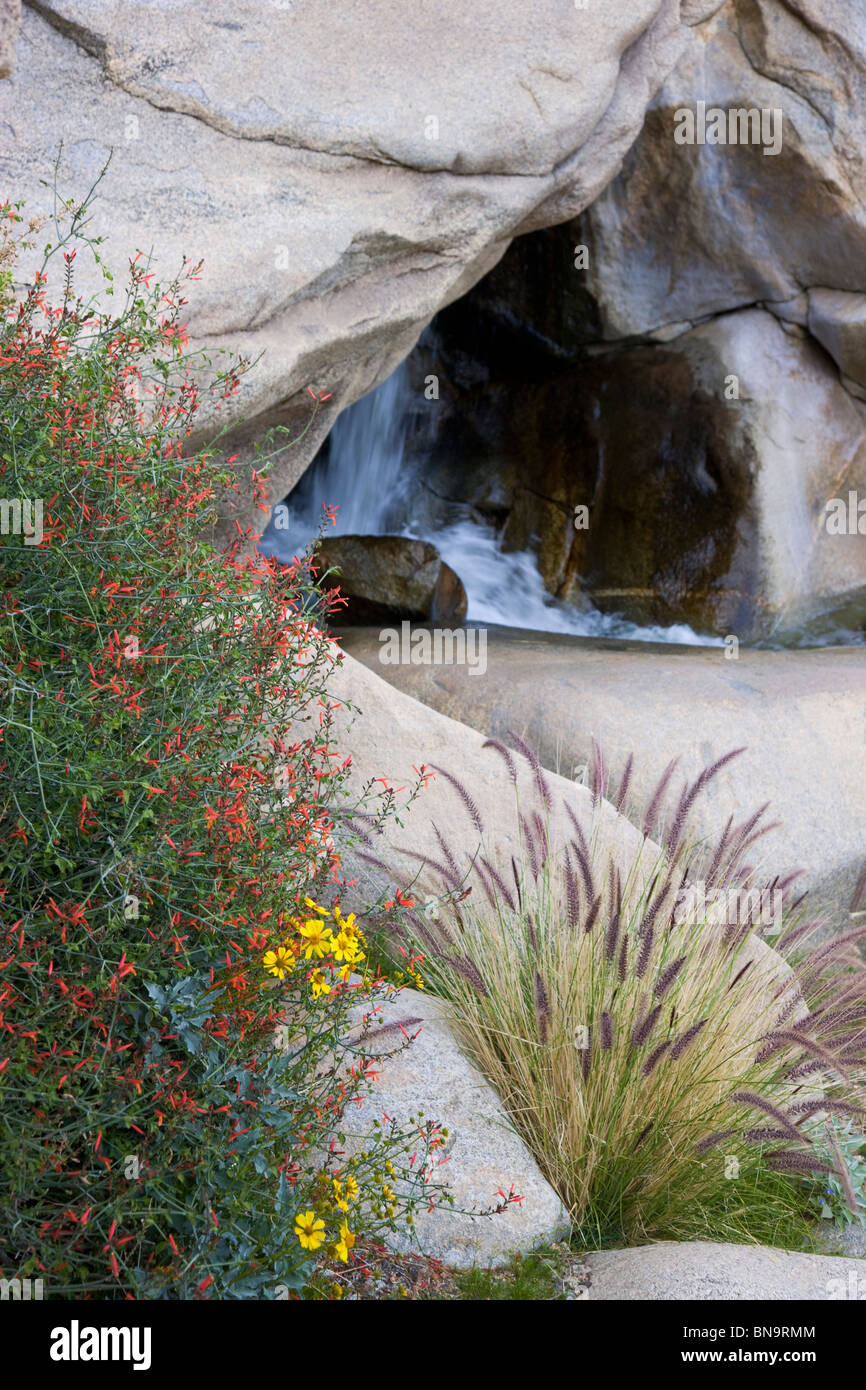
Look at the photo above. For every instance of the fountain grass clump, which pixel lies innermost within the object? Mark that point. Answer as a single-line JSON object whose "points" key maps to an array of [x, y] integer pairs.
{"points": [[670, 1072]]}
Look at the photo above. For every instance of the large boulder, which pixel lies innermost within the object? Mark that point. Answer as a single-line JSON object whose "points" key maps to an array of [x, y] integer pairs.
{"points": [[343, 171], [702, 1270], [691, 230], [391, 577], [482, 1154], [799, 714], [394, 739]]}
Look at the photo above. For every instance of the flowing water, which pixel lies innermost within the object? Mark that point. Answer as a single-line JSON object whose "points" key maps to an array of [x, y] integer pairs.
{"points": [[365, 472]]}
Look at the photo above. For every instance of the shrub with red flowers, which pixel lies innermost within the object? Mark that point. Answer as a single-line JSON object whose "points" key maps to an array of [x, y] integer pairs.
{"points": [[168, 792]]}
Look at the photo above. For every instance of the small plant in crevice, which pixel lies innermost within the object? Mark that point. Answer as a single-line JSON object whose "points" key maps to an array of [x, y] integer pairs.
{"points": [[664, 1053]]}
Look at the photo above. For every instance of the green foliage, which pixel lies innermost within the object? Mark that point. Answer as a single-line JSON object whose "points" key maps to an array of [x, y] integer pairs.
{"points": [[166, 812], [828, 1195], [526, 1278]]}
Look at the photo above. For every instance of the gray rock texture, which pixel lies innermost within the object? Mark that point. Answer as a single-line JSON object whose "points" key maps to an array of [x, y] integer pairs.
{"points": [[482, 1153], [691, 230], [702, 1270]]}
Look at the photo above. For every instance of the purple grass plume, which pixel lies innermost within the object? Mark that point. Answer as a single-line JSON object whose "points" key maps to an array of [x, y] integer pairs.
{"points": [[469, 804]]}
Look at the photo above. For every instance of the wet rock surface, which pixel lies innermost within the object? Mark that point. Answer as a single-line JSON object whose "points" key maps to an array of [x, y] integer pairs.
{"points": [[386, 578]]}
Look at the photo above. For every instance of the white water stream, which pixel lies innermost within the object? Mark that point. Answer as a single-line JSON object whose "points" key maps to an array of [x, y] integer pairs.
{"points": [[366, 474]]}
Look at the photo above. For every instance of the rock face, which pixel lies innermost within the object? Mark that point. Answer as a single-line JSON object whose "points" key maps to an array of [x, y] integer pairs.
{"points": [[688, 230], [680, 482], [10, 18], [687, 358], [700, 234], [389, 577], [701, 1270], [393, 736], [482, 1153], [837, 319], [343, 172], [799, 714]]}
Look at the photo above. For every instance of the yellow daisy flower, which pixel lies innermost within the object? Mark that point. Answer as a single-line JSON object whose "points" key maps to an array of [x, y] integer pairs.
{"points": [[319, 983], [344, 1244], [317, 937], [309, 1230], [317, 907], [279, 962], [352, 1188], [346, 948]]}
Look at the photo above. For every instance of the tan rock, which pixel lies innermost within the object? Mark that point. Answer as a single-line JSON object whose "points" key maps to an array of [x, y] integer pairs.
{"points": [[800, 715], [702, 1270], [392, 737], [686, 231], [391, 577], [482, 1153]]}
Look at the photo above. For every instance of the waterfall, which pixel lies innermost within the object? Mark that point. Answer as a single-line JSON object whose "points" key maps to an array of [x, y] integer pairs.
{"points": [[365, 472], [364, 467]]}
